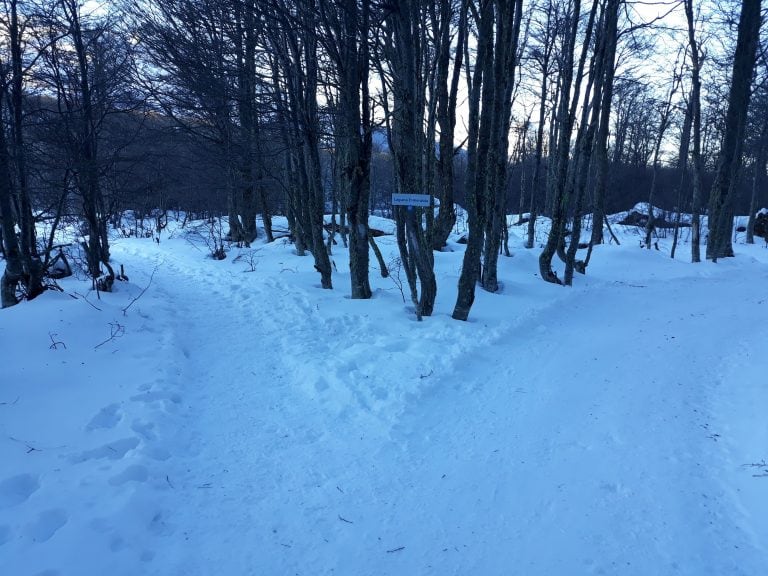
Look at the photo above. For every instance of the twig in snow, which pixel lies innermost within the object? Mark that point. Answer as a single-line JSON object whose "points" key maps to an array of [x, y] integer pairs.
{"points": [[55, 343], [10, 403], [116, 331], [395, 550], [339, 489], [422, 376], [345, 520], [151, 276], [85, 297], [169, 482], [31, 448], [762, 464]]}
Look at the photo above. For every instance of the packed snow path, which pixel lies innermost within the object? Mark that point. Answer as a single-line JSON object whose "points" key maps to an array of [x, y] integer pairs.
{"points": [[276, 428]]}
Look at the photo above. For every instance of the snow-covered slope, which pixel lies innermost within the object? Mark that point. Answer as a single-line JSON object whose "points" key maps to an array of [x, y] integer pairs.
{"points": [[242, 422]]}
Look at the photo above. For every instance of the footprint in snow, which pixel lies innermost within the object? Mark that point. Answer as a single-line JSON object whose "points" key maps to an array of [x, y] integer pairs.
{"points": [[147, 556], [113, 451], [108, 417], [5, 534], [47, 524], [150, 396], [144, 429], [134, 473], [17, 489], [157, 453]]}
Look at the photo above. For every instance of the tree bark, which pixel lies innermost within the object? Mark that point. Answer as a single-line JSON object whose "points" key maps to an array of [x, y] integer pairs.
{"points": [[477, 151], [729, 160], [406, 60], [14, 271]]}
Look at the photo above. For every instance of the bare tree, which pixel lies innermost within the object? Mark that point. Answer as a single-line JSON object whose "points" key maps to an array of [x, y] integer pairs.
{"points": [[665, 112], [568, 100], [14, 270], [492, 84], [86, 66], [404, 51], [542, 55], [293, 41], [758, 166], [696, 122], [12, 89], [346, 40], [730, 157], [446, 94]]}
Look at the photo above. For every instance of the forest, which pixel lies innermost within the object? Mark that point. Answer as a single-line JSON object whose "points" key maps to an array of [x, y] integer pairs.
{"points": [[383, 287], [241, 110]]}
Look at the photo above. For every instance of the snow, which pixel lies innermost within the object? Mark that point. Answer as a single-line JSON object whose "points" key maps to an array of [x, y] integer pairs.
{"points": [[236, 419]]}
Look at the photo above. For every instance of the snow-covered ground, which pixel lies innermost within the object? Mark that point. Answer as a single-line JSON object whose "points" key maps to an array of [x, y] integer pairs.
{"points": [[237, 422]]}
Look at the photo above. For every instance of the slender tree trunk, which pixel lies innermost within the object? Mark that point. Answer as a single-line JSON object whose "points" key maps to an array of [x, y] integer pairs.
{"points": [[14, 271], [730, 157], [406, 61], [447, 98], [508, 21], [758, 179], [32, 265], [565, 120], [696, 120], [97, 250], [685, 144], [356, 138], [477, 151], [537, 169], [601, 143]]}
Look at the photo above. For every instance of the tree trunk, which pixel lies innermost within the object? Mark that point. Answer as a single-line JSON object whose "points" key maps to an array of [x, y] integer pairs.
{"points": [[356, 138], [508, 20], [565, 121], [685, 143], [13, 273], [537, 169], [406, 61], [446, 119], [730, 157], [477, 151], [758, 179], [97, 250], [32, 266]]}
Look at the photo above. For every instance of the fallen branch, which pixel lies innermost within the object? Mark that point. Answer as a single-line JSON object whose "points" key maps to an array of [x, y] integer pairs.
{"points": [[116, 331], [55, 343], [151, 276], [345, 520], [395, 550], [85, 297]]}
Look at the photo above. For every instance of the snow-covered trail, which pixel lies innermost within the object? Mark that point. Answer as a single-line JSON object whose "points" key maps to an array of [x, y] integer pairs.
{"points": [[591, 453], [580, 435]]}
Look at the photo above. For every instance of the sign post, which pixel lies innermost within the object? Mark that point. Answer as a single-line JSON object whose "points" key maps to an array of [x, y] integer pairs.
{"points": [[411, 200]]}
